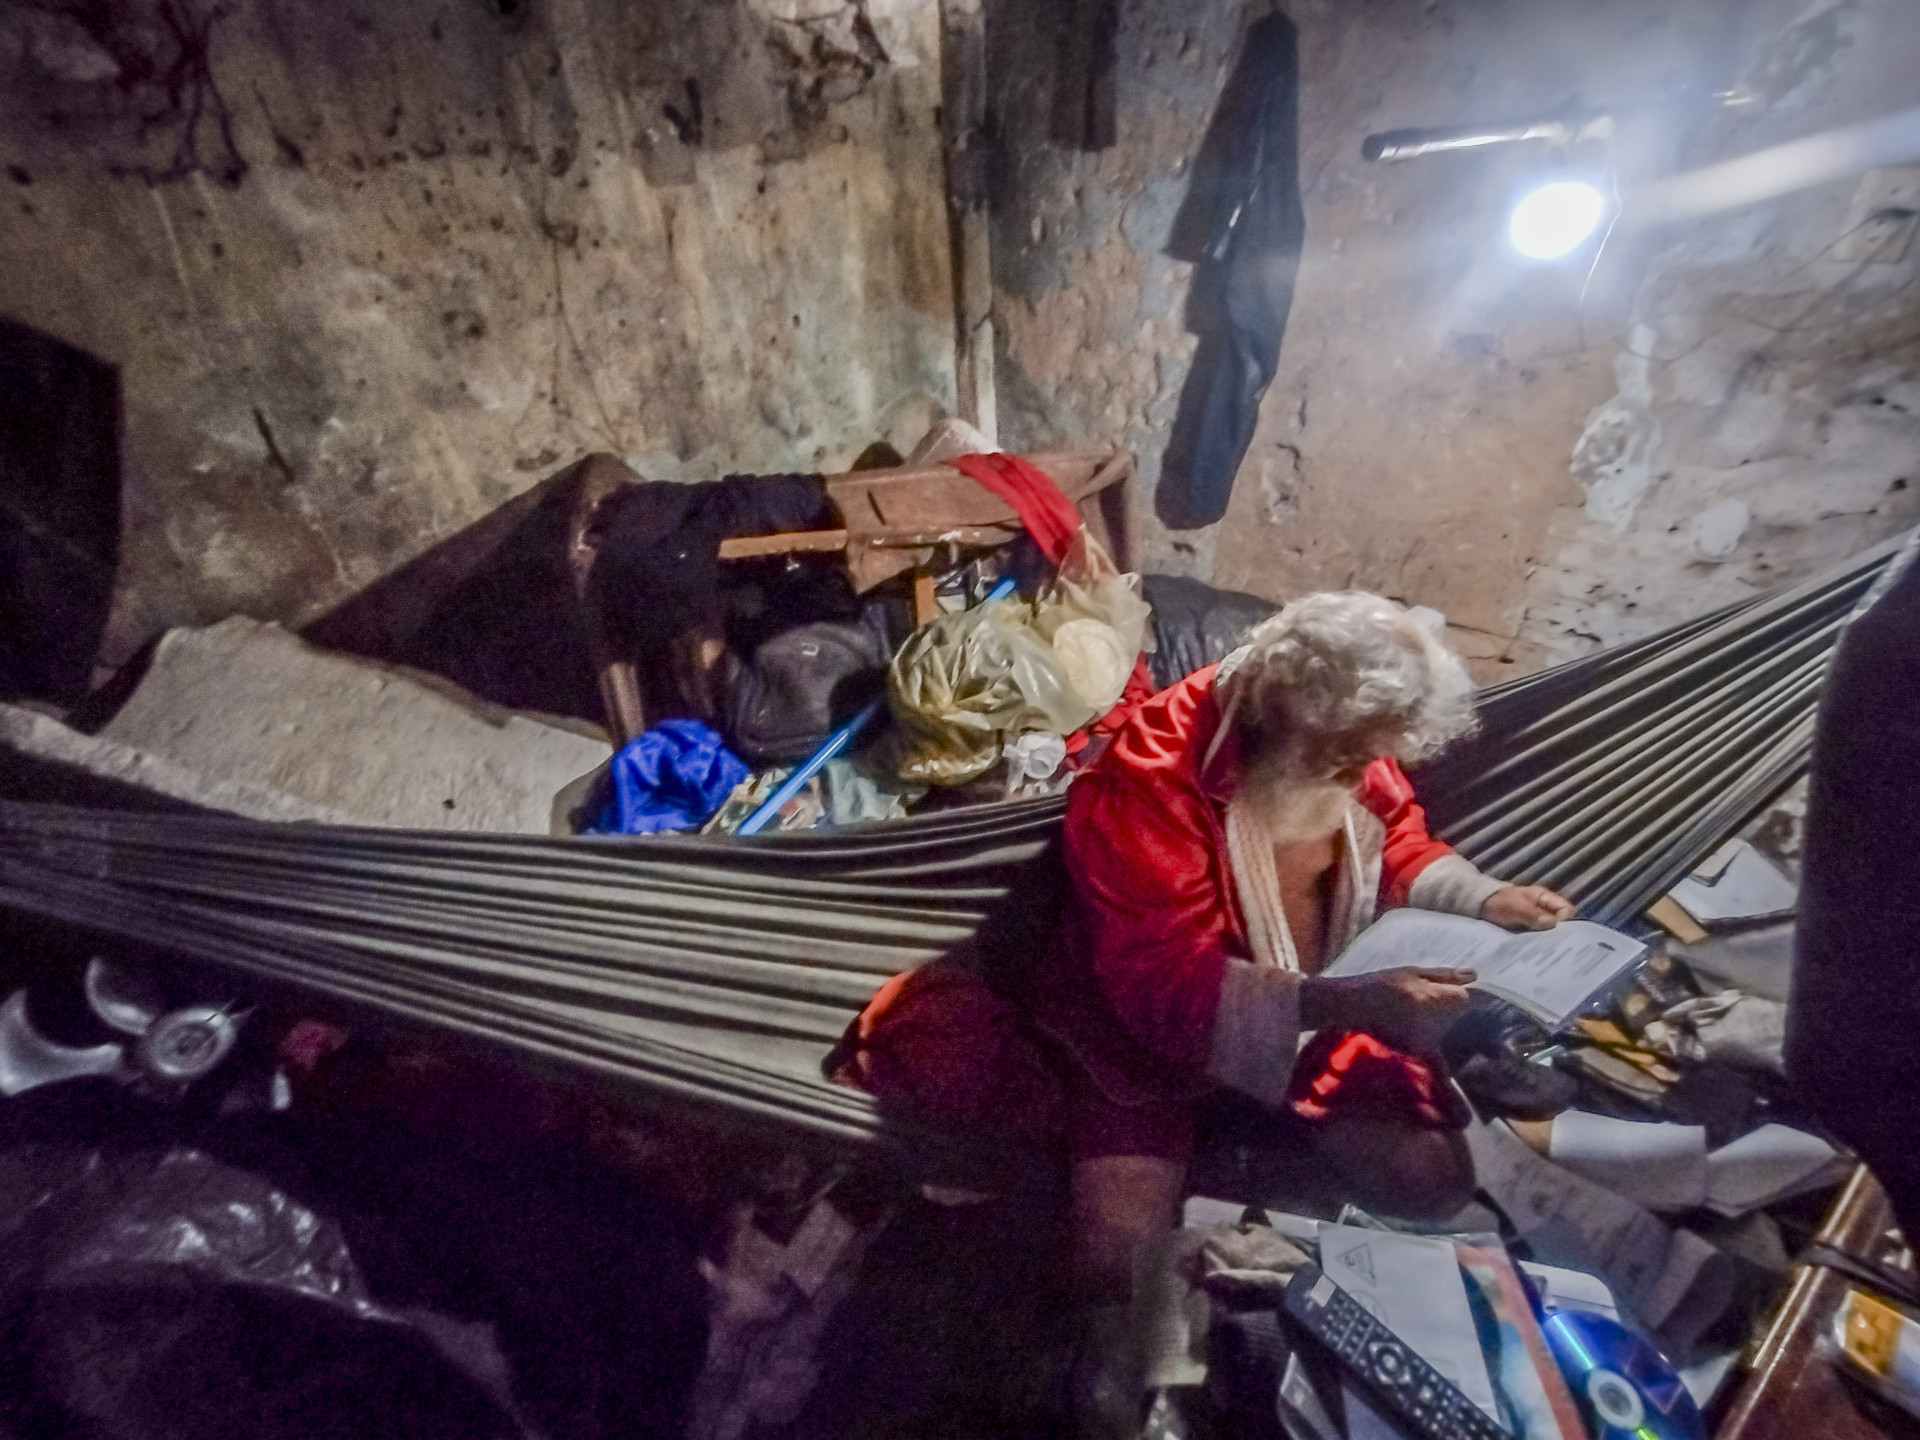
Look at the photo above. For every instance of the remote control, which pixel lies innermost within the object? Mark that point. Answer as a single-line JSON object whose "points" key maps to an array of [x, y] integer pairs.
{"points": [[1423, 1399]]}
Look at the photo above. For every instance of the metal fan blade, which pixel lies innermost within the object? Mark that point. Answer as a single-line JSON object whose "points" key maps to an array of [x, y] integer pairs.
{"points": [[124, 998], [28, 1058]]}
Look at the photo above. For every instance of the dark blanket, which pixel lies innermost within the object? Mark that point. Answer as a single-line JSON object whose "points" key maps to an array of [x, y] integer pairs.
{"points": [[1853, 1025]]}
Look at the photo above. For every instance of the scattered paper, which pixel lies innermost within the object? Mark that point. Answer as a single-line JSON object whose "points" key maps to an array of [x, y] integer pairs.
{"points": [[1411, 1284], [1671, 1283], [1741, 884], [1551, 974], [1763, 1166], [1202, 1211], [1704, 1378], [1564, 1289], [1660, 1166]]}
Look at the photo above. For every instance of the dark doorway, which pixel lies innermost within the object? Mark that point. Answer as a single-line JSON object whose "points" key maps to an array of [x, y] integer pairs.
{"points": [[59, 512]]}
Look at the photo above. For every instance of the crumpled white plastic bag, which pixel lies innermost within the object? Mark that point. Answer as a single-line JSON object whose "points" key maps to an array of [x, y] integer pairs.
{"points": [[966, 683]]}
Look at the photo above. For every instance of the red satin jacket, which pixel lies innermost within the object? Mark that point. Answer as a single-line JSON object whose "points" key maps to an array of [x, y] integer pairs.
{"points": [[1132, 989]]}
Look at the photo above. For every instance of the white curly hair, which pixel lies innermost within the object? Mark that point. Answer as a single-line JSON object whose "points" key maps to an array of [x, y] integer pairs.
{"points": [[1347, 663]]}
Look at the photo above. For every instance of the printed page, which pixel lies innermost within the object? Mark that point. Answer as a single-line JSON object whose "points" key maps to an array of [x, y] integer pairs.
{"points": [[1747, 888], [1671, 1282], [1550, 973]]}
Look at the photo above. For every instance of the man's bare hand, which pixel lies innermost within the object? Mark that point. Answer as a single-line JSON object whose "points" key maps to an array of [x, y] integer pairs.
{"points": [[1526, 907], [1409, 1007]]}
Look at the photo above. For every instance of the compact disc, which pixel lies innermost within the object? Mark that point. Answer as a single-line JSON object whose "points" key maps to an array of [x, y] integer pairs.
{"points": [[1623, 1387]]}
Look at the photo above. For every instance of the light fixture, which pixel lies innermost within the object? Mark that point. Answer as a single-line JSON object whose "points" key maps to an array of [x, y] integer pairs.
{"points": [[1555, 219]]}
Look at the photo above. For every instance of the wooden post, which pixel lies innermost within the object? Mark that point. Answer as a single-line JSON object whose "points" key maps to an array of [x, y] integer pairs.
{"points": [[924, 605], [963, 121]]}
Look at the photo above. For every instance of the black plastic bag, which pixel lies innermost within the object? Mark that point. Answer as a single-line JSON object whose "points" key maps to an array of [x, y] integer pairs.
{"points": [[1195, 625], [801, 684], [280, 1277]]}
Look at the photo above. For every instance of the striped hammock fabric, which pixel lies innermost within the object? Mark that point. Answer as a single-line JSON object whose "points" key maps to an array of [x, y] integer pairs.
{"points": [[716, 973]]}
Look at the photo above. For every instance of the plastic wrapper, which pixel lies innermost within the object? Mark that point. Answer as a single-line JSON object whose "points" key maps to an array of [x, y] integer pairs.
{"points": [[966, 683], [169, 1273], [166, 1293]]}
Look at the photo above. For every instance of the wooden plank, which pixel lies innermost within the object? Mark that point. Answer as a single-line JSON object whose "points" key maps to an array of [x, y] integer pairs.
{"points": [[1667, 914], [892, 516], [925, 607], [880, 505], [752, 547], [1791, 1392]]}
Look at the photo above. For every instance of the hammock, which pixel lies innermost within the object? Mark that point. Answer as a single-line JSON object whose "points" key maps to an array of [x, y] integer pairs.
{"points": [[716, 973]]}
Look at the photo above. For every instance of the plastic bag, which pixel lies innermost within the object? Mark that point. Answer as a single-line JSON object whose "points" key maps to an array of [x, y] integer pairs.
{"points": [[962, 684], [162, 1293], [966, 683]]}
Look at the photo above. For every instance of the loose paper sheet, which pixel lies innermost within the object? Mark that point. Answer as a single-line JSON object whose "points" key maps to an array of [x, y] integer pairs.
{"points": [[1671, 1281], [1660, 1166], [1762, 1166], [1746, 887], [1550, 973], [1564, 1289], [1412, 1285]]}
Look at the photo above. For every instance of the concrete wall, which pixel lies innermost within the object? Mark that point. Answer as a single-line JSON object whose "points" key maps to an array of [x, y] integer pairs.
{"points": [[370, 269], [1557, 456]]}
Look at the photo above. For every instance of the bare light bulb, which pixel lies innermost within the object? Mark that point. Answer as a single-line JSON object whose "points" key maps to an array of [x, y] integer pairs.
{"points": [[1555, 219]]}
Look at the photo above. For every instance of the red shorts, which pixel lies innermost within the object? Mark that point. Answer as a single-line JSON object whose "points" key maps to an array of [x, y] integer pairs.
{"points": [[941, 1046], [1339, 1074]]}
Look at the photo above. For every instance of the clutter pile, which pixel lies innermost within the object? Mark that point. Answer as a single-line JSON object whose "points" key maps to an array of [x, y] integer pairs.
{"points": [[988, 697], [792, 654], [1646, 1181]]}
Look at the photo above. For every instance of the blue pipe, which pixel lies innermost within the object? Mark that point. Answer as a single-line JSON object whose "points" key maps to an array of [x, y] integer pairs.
{"points": [[830, 747]]}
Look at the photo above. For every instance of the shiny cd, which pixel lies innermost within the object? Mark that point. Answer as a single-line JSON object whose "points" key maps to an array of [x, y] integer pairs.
{"points": [[1623, 1387]]}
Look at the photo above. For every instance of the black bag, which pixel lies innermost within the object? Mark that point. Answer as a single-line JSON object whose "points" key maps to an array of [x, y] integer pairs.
{"points": [[1194, 624], [803, 683]]}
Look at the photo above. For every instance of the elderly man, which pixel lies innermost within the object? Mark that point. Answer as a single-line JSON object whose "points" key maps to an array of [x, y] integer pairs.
{"points": [[1240, 831]]}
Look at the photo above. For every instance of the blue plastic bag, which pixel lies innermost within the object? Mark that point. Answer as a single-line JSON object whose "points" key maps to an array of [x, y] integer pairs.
{"points": [[671, 778]]}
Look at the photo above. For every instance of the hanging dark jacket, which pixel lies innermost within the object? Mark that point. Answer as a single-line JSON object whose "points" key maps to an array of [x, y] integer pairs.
{"points": [[1243, 225]]}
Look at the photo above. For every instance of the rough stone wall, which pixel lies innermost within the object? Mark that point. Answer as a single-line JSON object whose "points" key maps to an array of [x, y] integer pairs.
{"points": [[371, 269], [1556, 456]]}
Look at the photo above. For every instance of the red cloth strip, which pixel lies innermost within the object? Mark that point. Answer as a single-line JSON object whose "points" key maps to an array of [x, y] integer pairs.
{"points": [[1044, 510]]}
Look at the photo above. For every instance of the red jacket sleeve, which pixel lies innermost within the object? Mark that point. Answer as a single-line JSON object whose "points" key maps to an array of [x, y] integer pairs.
{"points": [[1409, 849], [1147, 874]]}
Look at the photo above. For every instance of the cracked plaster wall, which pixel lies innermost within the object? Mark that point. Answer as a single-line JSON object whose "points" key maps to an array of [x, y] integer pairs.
{"points": [[371, 269], [1556, 461]]}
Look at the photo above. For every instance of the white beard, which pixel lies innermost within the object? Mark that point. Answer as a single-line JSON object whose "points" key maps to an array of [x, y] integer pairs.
{"points": [[1291, 807]]}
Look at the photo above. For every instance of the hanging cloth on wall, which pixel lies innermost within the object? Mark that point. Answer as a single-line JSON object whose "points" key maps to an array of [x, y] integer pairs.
{"points": [[1243, 225], [718, 973]]}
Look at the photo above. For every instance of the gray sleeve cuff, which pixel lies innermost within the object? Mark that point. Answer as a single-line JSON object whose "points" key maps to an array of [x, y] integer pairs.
{"points": [[1256, 1031], [1454, 884]]}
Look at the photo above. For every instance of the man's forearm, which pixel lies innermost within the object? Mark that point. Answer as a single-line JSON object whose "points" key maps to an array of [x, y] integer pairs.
{"points": [[1336, 1003]]}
